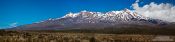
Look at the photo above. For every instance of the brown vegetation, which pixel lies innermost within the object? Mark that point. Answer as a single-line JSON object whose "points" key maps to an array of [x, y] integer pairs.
{"points": [[55, 36]]}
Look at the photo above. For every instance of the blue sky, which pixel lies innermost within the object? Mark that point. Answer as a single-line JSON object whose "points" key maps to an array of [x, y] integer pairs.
{"points": [[21, 12]]}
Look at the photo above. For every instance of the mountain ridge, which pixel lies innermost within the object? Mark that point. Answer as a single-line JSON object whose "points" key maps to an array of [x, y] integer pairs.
{"points": [[86, 19]]}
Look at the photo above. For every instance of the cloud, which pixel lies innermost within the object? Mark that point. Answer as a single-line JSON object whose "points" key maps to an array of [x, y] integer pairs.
{"points": [[13, 24], [163, 11], [137, 1]]}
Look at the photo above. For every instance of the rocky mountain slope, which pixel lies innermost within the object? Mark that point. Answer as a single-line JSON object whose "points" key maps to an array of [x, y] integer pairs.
{"points": [[95, 20]]}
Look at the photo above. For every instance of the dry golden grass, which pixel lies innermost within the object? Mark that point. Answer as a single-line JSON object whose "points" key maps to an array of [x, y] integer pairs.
{"points": [[22, 36]]}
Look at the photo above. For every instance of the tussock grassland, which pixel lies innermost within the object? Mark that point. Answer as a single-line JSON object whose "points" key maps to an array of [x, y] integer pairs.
{"points": [[58, 36]]}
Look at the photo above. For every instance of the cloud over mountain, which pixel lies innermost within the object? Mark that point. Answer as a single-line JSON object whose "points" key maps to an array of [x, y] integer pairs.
{"points": [[13, 24], [163, 11]]}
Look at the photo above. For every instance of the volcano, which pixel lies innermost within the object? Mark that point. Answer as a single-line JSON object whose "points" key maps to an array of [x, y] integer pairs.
{"points": [[96, 20]]}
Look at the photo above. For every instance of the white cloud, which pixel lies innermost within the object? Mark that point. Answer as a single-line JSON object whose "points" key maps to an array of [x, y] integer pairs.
{"points": [[163, 11], [13, 24], [137, 1]]}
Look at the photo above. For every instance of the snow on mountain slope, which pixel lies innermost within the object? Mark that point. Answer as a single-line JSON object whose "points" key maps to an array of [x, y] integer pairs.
{"points": [[125, 16], [86, 19]]}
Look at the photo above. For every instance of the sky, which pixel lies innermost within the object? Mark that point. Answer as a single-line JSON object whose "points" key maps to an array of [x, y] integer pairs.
{"points": [[20, 12]]}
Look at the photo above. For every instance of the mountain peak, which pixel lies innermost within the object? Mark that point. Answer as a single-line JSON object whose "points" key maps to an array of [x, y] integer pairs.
{"points": [[84, 11], [87, 19], [69, 15]]}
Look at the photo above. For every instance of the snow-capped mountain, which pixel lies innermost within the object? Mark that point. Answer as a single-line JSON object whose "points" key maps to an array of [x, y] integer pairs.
{"points": [[87, 19]]}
